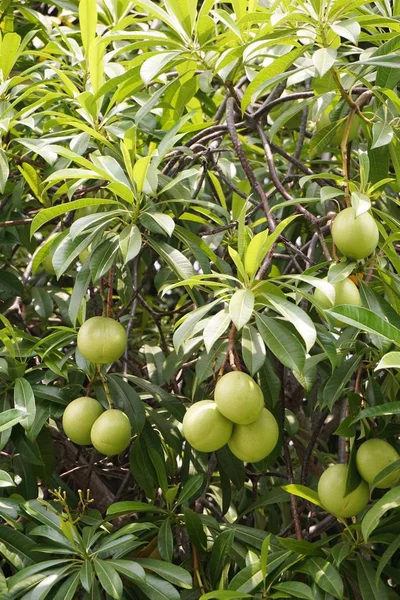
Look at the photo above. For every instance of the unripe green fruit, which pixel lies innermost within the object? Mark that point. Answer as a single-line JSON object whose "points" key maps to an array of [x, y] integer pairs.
{"points": [[47, 264], [253, 442], [356, 237], [346, 292], [205, 428], [239, 398], [111, 433], [332, 489], [101, 340], [291, 423], [78, 419], [372, 457]]}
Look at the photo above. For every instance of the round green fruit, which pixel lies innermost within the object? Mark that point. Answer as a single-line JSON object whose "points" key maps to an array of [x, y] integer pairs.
{"points": [[346, 292], [251, 443], [205, 428], [291, 423], [239, 398], [101, 340], [47, 264], [332, 489], [356, 237], [372, 457], [79, 417], [111, 433]]}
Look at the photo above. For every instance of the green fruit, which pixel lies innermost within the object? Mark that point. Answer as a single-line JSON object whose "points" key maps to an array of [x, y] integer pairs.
{"points": [[111, 433], [47, 264], [346, 292], [356, 237], [101, 340], [239, 398], [332, 489], [291, 423], [78, 419], [251, 443], [205, 428], [372, 457]]}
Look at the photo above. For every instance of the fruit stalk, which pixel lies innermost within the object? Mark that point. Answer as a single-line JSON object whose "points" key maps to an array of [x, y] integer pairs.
{"points": [[106, 388]]}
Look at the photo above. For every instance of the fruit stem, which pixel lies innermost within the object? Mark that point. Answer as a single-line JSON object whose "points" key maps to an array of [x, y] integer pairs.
{"points": [[106, 388]]}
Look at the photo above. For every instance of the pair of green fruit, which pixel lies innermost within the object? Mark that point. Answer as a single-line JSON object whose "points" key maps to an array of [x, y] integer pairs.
{"points": [[85, 422], [236, 417], [372, 457], [101, 340], [356, 237]]}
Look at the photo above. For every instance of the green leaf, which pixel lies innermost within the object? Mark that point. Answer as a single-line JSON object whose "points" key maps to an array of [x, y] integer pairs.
{"points": [[391, 360], [220, 555], [11, 417], [266, 76], [155, 588], [4, 168], [9, 50], [87, 22], [338, 381], [190, 488], [48, 214], [394, 466], [172, 573], [253, 349], [366, 320], [386, 557], [264, 555], [108, 577], [371, 520], [195, 529], [165, 540], [297, 317], [382, 134], [302, 492], [326, 576], [215, 328], [224, 595], [95, 58], [281, 342], [241, 307], [6, 480], [370, 588], [295, 589], [323, 59], [175, 259], [130, 508], [382, 410]]}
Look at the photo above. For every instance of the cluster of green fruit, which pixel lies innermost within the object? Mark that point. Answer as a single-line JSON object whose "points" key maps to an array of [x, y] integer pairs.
{"points": [[357, 238], [373, 456], [236, 417], [101, 340]]}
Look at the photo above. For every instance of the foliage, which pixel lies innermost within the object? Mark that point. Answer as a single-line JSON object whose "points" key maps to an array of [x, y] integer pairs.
{"points": [[144, 176]]}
